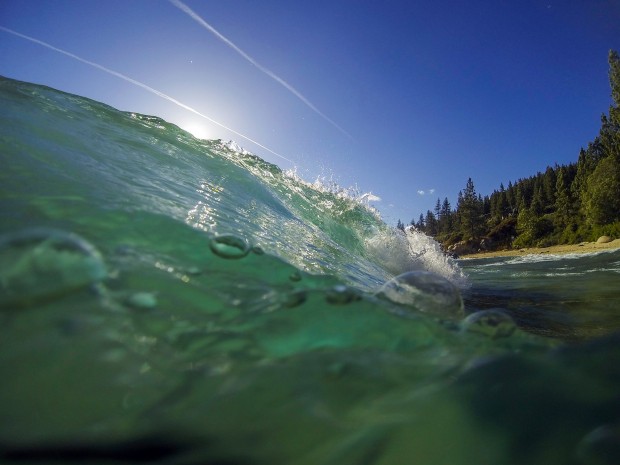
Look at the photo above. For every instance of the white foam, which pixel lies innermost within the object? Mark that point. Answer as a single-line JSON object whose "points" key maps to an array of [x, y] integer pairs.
{"points": [[411, 250], [323, 184], [235, 147], [553, 257]]}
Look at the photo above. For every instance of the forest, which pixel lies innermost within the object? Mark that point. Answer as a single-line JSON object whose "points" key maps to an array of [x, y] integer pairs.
{"points": [[567, 204]]}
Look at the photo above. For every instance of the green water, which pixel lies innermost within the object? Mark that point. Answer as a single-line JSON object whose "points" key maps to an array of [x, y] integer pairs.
{"points": [[170, 300]]}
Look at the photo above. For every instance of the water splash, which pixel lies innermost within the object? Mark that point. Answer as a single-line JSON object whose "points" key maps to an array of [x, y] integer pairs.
{"points": [[411, 250]]}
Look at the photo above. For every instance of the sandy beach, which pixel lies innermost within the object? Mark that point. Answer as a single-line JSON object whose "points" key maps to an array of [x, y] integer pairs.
{"points": [[583, 247]]}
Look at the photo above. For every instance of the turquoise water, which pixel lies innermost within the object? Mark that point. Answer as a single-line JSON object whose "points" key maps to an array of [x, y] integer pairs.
{"points": [[171, 300]]}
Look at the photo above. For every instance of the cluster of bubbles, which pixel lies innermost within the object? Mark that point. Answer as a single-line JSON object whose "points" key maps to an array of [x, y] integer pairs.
{"points": [[39, 265]]}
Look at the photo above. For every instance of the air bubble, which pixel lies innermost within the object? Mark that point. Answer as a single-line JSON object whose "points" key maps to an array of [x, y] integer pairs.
{"points": [[493, 323], [294, 298], [341, 295], [229, 246], [425, 291], [43, 264]]}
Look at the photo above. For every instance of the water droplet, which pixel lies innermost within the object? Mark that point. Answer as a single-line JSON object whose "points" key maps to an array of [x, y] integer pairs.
{"points": [[258, 250], [425, 291], [494, 323], [42, 264], [341, 295], [229, 246]]}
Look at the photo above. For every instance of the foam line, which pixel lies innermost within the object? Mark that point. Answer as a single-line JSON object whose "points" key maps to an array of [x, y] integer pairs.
{"points": [[142, 85], [192, 14]]}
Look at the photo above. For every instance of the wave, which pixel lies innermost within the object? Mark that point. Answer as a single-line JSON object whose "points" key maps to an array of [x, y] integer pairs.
{"points": [[141, 163]]}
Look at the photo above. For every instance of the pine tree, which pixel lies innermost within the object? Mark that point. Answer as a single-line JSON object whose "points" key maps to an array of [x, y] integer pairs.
{"points": [[446, 216], [502, 203], [610, 127], [601, 199], [585, 166], [537, 207], [431, 224], [511, 199], [470, 212], [438, 208], [548, 185], [486, 205], [564, 209], [420, 224]]}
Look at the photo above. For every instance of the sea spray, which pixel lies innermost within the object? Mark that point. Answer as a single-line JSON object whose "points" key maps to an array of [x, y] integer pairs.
{"points": [[411, 250]]}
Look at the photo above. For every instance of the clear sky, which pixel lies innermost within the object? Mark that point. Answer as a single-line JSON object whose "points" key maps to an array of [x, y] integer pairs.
{"points": [[404, 99]]}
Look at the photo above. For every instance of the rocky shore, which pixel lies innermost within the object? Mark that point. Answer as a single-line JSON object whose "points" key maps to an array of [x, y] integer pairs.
{"points": [[583, 247]]}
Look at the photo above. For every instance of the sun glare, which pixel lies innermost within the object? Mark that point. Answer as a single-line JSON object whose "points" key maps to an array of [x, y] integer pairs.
{"points": [[197, 130]]}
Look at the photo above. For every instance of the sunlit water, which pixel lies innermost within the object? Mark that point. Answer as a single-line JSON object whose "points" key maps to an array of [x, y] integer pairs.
{"points": [[172, 300]]}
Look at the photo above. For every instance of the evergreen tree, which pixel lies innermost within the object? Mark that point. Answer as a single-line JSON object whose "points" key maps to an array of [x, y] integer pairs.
{"points": [[511, 198], [486, 205], [446, 216], [438, 208], [610, 127], [524, 228], [420, 224], [502, 204], [601, 199], [470, 212], [609, 137], [564, 210], [537, 207], [585, 166], [548, 187], [431, 224]]}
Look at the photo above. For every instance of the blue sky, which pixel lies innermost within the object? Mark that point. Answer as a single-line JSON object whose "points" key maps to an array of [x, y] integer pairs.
{"points": [[404, 99]]}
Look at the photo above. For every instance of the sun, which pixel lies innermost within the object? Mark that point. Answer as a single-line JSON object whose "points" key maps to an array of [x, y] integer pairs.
{"points": [[198, 130]]}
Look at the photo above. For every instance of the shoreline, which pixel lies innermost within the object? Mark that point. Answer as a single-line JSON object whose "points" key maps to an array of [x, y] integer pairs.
{"points": [[583, 247]]}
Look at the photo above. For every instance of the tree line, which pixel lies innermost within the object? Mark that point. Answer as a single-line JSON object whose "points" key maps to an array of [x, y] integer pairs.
{"points": [[566, 204]]}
